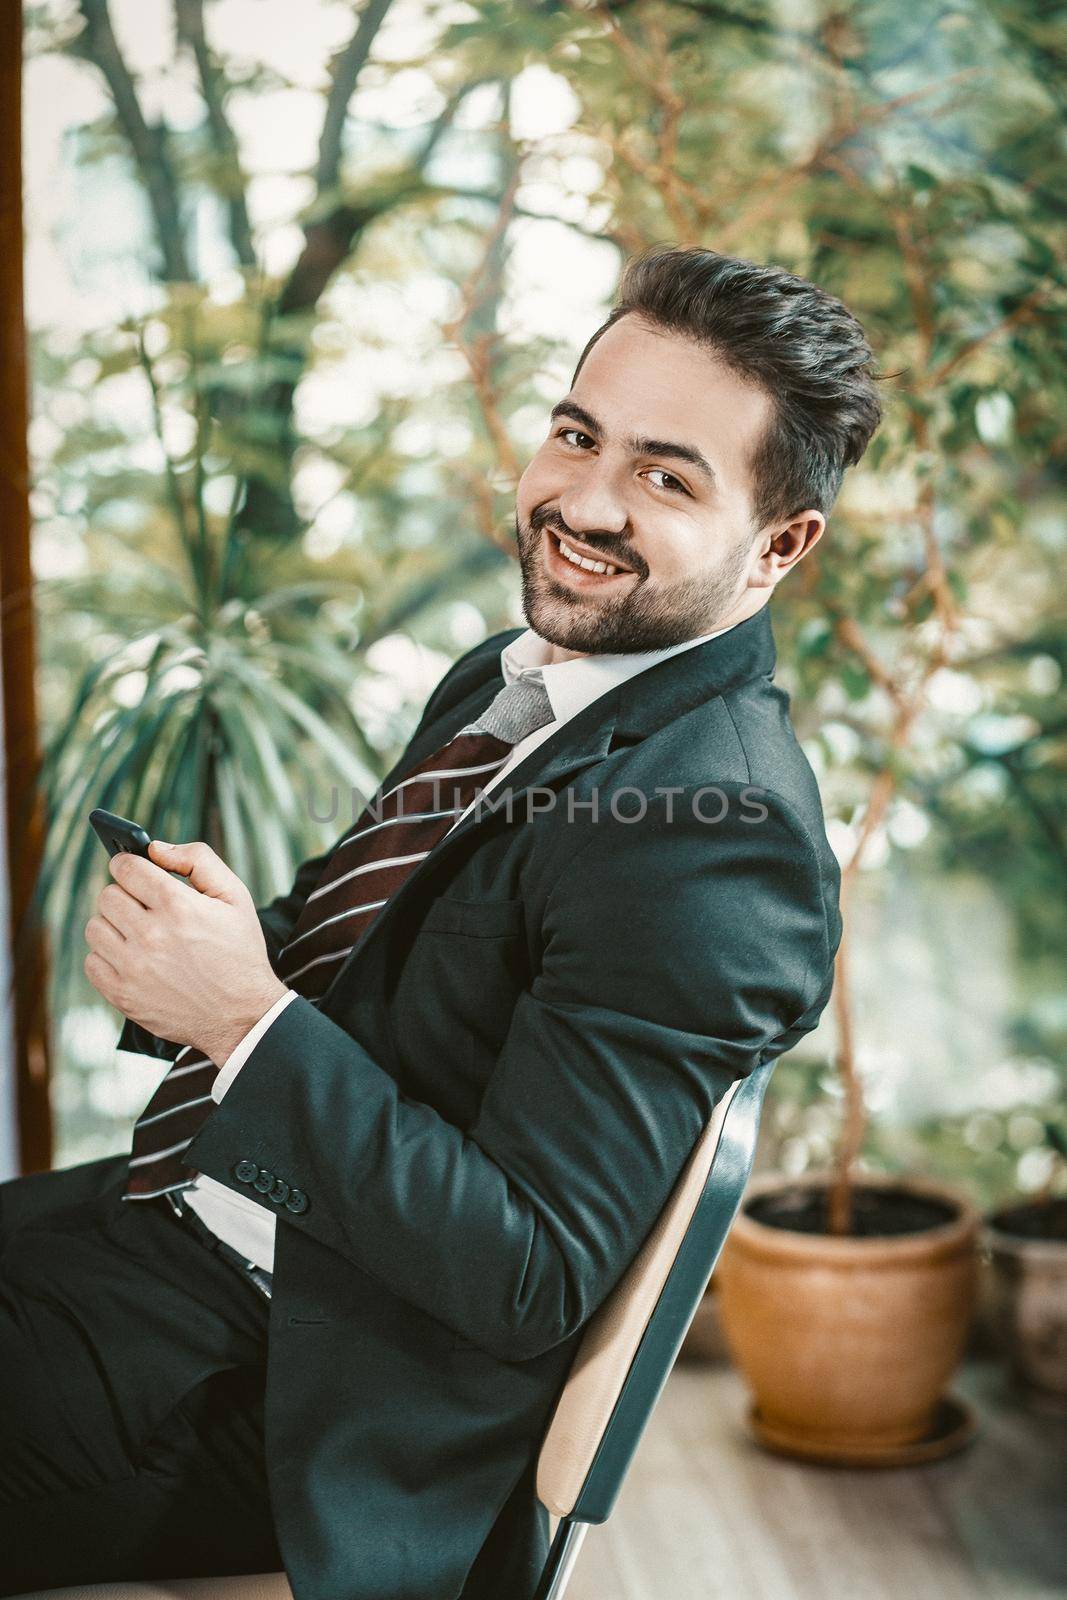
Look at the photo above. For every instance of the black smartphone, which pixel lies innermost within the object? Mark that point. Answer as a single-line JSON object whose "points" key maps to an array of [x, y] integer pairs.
{"points": [[119, 833]]}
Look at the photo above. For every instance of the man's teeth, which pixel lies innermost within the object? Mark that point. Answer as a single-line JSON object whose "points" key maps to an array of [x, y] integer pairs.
{"points": [[580, 561]]}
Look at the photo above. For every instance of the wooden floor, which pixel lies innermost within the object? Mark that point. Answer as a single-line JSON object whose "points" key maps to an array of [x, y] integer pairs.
{"points": [[706, 1514]]}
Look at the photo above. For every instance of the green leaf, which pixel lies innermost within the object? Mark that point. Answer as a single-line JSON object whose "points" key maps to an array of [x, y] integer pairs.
{"points": [[920, 179], [855, 680]]}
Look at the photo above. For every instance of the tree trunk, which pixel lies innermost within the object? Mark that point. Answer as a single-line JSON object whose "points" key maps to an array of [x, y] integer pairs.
{"points": [[24, 812]]}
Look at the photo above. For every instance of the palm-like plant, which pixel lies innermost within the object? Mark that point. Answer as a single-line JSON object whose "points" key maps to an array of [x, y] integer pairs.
{"points": [[182, 727], [222, 702]]}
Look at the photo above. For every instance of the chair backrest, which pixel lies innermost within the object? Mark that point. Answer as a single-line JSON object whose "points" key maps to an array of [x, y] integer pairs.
{"points": [[632, 1340]]}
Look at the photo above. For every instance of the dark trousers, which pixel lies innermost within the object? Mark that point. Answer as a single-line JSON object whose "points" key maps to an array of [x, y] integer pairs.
{"points": [[132, 1373]]}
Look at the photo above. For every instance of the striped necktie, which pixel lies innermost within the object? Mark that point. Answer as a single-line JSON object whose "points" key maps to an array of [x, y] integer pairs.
{"points": [[393, 833]]}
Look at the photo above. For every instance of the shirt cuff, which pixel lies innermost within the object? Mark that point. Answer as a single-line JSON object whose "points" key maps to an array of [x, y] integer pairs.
{"points": [[243, 1049]]}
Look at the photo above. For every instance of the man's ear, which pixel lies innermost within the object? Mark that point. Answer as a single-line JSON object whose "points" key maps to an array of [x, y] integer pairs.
{"points": [[781, 549]]}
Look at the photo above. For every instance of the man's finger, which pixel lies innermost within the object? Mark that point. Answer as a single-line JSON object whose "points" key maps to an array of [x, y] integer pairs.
{"points": [[199, 864], [104, 938], [140, 878], [102, 975], [121, 909]]}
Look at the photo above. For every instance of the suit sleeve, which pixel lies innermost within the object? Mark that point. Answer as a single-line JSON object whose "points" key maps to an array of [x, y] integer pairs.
{"points": [[243, 1048], [676, 957]]}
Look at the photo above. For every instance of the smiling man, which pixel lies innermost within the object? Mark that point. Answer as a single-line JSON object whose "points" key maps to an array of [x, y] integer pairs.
{"points": [[423, 1109], [634, 542]]}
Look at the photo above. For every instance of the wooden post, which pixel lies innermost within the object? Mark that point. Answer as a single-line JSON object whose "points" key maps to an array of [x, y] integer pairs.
{"points": [[23, 810]]}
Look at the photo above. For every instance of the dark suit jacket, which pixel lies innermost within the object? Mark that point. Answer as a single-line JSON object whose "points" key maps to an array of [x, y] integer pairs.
{"points": [[496, 1095]]}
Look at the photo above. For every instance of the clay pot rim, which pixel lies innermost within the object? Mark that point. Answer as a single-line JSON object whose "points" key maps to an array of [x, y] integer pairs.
{"points": [[890, 1250], [1044, 1252], [1020, 1244]]}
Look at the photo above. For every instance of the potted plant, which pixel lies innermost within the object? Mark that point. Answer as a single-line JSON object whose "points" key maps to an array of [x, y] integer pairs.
{"points": [[846, 1298], [848, 1338], [1024, 1244]]}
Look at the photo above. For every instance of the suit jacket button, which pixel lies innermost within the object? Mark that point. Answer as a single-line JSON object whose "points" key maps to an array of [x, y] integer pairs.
{"points": [[245, 1171], [297, 1201], [278, 1191], [263, 1181]]}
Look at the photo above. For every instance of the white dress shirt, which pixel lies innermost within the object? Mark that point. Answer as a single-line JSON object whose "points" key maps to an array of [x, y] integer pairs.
{"points": [[571, 686]]}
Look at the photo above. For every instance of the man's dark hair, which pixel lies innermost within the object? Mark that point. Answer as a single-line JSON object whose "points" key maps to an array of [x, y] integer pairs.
{"points": [[801, 345]]}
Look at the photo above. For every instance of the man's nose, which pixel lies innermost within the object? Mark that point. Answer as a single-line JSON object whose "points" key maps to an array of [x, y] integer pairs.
{"points": [[594, 502]]}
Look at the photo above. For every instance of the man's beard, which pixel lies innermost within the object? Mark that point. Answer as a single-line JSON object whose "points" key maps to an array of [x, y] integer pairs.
{"points": [[645, 616]]}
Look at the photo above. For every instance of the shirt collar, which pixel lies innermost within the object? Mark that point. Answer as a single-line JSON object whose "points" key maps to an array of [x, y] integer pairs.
{"points": [[572, 685]]}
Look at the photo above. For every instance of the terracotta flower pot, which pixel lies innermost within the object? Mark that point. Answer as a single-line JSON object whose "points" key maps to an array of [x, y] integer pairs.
{"points": [[848, 1342], [1026, 1245]]}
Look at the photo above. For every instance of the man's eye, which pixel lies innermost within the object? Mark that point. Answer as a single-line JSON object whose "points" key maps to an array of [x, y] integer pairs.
{"points": [[673, 486], [679, 488]]}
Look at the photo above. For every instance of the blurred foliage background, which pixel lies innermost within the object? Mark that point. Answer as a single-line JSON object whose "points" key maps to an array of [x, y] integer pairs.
{"points": [[303, 283]]}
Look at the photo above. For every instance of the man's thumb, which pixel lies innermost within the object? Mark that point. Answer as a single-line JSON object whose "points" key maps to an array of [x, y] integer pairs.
{"points": [[198, 863]]}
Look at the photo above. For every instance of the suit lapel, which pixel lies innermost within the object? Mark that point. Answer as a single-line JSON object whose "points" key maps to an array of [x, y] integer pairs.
{"points": [[580, 742], [623, 715]]}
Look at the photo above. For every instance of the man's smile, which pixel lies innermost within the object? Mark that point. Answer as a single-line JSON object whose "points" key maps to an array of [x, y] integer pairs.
{"points": [[573, 563]]}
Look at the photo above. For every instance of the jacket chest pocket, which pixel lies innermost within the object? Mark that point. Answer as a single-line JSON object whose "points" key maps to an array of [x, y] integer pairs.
{"points": [[474, 919]]}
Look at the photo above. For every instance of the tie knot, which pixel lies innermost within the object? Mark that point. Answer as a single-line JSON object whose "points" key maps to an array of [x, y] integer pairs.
{"points": [[519, 708]]}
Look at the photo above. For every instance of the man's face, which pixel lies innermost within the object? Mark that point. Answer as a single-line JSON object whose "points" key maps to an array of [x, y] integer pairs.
{"points": [[609, 480]]}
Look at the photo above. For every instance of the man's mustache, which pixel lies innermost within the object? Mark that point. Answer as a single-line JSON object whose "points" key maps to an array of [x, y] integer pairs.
{"points": [[619, 557]]}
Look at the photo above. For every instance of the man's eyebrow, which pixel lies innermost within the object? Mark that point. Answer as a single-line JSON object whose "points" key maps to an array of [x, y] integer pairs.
{"points": [[641, 447]]}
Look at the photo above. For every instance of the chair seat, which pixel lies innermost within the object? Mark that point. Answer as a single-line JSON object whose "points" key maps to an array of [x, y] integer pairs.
{"points": [[250, 1586]]}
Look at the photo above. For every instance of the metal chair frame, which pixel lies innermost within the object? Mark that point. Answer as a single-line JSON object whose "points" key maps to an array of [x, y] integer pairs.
{"points": [[662, 1339]]}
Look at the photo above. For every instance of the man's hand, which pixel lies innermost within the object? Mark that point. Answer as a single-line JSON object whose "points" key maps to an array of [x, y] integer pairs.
{"points": [[189, 967]]}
